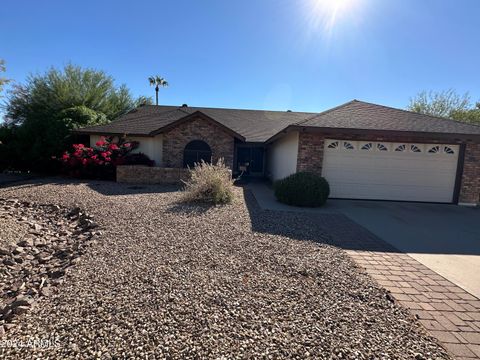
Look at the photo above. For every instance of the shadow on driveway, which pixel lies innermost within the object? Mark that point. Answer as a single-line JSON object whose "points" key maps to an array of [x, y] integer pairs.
{"points": [[329, 228]]}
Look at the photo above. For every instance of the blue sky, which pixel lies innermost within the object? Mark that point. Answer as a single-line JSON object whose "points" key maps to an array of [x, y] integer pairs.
{"points": [[263, 54]]}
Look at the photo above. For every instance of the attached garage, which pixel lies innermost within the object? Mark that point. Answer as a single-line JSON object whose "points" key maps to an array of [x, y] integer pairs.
{"points": [[390, 170]]}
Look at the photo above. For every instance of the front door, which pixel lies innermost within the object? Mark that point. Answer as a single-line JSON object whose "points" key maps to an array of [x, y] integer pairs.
{"points": [[250, 160]]}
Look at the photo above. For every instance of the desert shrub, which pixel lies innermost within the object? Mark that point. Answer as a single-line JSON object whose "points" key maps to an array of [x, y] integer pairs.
{"points": [[210, 183], [99, 161], [302, 189]]}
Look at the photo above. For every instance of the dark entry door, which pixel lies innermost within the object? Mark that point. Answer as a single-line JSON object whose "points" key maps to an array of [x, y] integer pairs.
{"points": [[257, 160], [250, 159]]}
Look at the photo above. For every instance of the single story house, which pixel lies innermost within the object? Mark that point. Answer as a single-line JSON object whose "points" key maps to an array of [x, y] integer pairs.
{"points": [[365, 151]]}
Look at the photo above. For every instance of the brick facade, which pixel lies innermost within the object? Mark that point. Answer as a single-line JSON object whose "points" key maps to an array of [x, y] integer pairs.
{"points": [[470, 188], [175, 140], [310, 152], [310, 157]]}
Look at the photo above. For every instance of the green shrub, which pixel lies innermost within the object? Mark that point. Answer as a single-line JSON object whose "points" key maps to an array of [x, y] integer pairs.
{"points": [[302, 189], [210, 183], [8, 148]]}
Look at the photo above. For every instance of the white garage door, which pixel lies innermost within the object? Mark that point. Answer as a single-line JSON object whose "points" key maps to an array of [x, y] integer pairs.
{"points": [[390, 171]]}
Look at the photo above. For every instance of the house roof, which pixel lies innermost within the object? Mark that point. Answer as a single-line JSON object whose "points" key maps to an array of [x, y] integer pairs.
{"points": [[366, 116], [250, 125], [260, 125]]}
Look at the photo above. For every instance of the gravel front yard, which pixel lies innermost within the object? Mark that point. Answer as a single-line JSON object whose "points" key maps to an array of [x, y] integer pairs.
{"points": [[165, 280], [10, 229]]}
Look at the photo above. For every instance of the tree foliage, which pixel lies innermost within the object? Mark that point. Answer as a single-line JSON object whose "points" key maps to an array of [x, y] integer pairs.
{"points": [[48, 106], [448, 104], [471, 116], [143, 100], [158, 82], [3, 80]]}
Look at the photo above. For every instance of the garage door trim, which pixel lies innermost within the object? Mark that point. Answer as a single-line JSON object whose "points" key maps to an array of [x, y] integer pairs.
{"points": [[458, 176]]}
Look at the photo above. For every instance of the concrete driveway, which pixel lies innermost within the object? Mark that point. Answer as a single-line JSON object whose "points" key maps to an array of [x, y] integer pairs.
{"points": [[445, 238]]}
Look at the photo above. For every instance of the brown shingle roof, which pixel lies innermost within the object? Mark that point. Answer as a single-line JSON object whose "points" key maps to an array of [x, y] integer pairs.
{"points": [[253, 125], [259, 125], [366, 116]]}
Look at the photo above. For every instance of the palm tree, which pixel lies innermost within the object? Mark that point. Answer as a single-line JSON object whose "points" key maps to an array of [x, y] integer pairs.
{"points": [[157, 81]]}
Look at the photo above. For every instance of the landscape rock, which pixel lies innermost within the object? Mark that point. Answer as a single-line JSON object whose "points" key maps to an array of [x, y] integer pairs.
{"points": [[26, 242], [36, 247], [22, 301], [8, 261], [46, 291], [163, 279], [19, 310]]}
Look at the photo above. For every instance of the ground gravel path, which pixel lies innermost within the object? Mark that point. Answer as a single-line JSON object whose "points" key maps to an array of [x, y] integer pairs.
{"points": [[166, 280]]}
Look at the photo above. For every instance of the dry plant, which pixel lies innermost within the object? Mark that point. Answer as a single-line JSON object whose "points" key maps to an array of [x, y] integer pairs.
{"points": [[210, 183]]}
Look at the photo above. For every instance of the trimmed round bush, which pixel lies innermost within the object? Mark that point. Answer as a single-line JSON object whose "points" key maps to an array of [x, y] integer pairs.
{"points": [[302, 189]]}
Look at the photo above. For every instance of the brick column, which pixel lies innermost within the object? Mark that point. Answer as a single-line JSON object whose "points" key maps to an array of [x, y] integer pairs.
{"points": [[310, 152], [470, 186]]}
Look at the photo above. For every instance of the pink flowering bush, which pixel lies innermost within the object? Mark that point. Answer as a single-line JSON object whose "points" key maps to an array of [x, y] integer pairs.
{"points": [[100, 160]]}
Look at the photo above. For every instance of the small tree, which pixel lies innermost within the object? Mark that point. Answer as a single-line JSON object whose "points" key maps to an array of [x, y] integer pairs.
{"points": [[48, 106], [448, 104], [158, 82]]}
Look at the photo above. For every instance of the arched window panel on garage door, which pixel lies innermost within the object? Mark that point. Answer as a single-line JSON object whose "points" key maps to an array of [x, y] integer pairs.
{"points": [[348, 145], [416, 148], [399, 147], [433, 149], [333, 144], [382, 146], [448, 150], [367, 146]]}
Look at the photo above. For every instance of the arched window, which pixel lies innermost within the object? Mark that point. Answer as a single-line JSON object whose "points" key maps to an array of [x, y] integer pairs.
{"points": [[195, 151], [381, 147]]}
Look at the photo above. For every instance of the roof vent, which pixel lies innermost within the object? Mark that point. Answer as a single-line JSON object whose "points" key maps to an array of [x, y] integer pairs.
{"points": [[184, 105]]}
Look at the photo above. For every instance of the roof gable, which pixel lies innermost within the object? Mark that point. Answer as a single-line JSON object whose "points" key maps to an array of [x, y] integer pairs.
{"points": [[195, 115]]}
